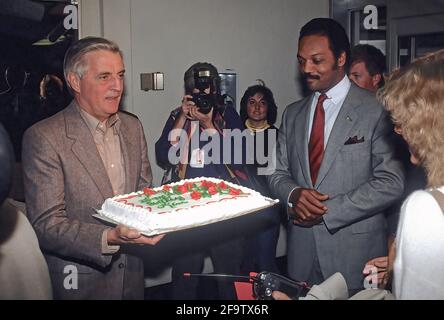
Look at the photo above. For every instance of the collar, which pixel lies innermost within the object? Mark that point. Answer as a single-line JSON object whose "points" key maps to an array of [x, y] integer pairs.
{"points": [[338, 92], [249, 125], [94, 124]]}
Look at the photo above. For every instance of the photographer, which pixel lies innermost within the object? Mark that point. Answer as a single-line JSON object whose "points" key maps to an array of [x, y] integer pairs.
{"points": [[202, 112]]}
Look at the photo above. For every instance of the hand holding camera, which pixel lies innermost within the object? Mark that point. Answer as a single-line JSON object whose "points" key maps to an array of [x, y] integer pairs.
{"points": [[192, 112], [205, 119], [187, 103], [201, 100], [204, 101]]}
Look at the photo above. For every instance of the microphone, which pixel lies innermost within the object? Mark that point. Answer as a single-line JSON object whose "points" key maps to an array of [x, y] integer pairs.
{"points": [[264, 283], [220, 276]]}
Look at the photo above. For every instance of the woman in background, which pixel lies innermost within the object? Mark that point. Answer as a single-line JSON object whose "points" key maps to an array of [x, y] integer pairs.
{"points": [[414, 96], [258, 112]]}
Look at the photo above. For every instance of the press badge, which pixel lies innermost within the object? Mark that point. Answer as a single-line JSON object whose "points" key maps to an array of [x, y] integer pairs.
{"points": [[197, 158]]}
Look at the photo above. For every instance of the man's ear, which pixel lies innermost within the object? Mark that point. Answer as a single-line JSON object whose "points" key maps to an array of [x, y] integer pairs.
{"points": [[376, 79], [74, 81], [342, 59]]}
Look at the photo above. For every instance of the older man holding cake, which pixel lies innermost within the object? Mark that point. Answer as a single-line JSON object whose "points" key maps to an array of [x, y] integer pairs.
{"points": [[75, 160]]}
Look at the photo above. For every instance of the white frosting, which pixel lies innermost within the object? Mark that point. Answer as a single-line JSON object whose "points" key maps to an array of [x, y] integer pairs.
{"points": [[183, 216]]}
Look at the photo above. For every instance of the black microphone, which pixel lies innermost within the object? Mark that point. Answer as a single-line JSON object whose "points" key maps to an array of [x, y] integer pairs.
{"points": [[264, 283], [217, 275]]}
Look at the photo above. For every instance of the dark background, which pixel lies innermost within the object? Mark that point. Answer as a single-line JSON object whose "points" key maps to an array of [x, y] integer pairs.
{"points": [[33, 43]]}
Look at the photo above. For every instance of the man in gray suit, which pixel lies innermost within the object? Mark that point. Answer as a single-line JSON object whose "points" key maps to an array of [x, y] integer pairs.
{"points": [[72, 162], [335, 165]]}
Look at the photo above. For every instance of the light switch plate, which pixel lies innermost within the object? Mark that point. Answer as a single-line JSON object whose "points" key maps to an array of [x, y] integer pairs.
{"points": [[151, 81]]}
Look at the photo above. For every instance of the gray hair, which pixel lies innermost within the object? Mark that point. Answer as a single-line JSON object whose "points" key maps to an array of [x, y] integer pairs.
{"points": [[74, 58]]}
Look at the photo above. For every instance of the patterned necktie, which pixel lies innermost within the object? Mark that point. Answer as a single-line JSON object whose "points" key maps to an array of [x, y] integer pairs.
{"points": [[316, 145]]}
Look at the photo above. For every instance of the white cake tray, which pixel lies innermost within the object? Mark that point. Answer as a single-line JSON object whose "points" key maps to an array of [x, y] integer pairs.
{"points": [[271, 202]]}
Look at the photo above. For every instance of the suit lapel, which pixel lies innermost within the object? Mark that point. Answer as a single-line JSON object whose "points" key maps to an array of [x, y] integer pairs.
{"points": [[301, 130], [345, 121], [85, 150], [130, 155]]}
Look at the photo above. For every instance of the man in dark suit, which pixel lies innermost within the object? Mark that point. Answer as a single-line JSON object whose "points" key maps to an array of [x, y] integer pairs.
{"points": [[72, 162], [335, 166]]}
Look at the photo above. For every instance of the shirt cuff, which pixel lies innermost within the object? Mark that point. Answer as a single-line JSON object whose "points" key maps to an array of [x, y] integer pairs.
{"points": [[107, 248], [289, 204]]}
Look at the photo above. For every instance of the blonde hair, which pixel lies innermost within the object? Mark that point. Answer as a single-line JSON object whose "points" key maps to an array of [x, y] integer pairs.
{"points": [[414, 97]]}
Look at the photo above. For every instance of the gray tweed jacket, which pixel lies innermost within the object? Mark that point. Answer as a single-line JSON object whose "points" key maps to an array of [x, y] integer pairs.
{"points": [[65, 179]]}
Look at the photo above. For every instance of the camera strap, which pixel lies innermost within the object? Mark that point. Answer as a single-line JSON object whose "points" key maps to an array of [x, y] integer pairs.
{"points": [[183, 162]]}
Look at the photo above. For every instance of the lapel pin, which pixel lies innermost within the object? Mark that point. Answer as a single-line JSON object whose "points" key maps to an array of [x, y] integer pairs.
{"points": [[349, 119]]}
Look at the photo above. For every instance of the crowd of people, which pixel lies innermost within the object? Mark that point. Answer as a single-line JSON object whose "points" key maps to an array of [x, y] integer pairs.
{"points": [[340, 169]]}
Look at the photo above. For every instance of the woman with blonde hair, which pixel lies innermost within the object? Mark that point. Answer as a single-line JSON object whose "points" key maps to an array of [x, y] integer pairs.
{"points": [[414, 96]]}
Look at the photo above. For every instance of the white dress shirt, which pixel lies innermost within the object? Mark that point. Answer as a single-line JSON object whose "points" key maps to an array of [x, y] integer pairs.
{"points": [[332, 106]]}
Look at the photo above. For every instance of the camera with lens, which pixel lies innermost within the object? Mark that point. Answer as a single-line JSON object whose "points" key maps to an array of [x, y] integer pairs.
{"points": [[204, 101]]}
